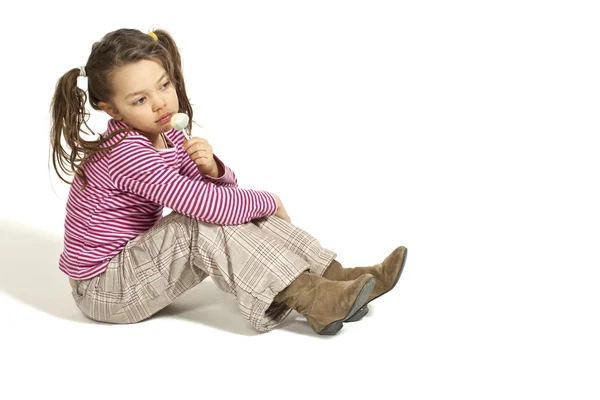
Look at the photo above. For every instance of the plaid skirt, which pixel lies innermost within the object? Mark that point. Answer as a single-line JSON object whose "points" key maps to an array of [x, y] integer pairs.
{"points": [[253, 261]]}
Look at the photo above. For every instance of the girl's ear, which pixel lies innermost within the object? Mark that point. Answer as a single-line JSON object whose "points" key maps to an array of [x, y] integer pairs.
{"points": [[110, 110]]}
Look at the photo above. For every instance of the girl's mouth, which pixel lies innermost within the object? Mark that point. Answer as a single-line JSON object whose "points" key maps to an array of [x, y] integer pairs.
{"points": [[164, 119]]}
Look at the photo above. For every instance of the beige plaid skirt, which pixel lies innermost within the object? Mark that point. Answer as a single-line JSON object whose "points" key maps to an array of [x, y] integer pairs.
{"points": [[253, 261]]}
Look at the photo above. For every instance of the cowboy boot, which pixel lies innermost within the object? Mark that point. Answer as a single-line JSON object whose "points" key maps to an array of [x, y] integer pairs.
{"points": [[386, 276], [326, 304]]}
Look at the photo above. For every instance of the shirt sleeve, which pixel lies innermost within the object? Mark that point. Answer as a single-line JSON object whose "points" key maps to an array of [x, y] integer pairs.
{"points": [[135, 166]]}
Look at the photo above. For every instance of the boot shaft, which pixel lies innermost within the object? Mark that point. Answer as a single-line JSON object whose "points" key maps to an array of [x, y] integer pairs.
{"points": [[300, 294]]}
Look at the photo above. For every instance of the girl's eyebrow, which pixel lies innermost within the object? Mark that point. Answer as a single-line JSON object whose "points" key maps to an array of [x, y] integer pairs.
{"points": [[159, 79]]}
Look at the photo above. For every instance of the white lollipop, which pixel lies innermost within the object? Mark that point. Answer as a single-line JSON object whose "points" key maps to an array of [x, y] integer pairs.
{"points": [[179, 121]]}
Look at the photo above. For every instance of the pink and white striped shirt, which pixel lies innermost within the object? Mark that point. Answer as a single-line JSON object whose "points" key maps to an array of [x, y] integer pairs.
{"points": [[127, 190]]}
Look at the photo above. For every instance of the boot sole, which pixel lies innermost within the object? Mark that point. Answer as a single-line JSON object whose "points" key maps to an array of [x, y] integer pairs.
{"points": [[364, 310], [359, 302], [359, 314]]}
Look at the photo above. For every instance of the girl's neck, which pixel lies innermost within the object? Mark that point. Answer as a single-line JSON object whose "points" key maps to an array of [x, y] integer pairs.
{"points": [[160, 142]]}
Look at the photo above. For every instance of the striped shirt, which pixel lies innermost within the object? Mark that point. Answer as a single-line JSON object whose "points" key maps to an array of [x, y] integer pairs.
{"points": [[127, 190]]}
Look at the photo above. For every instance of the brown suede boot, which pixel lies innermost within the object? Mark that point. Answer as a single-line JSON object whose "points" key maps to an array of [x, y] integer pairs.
{"points": [[326, 304], [386, 276]]}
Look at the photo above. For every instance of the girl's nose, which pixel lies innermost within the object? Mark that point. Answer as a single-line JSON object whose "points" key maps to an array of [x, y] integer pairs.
{"points": [[159, 104]]}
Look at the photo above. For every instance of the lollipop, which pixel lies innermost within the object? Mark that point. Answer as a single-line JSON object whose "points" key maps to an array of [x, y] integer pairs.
{"points": [[179, 121]]}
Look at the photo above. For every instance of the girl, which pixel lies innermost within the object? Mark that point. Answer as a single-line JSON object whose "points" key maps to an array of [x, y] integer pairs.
{"points": [[125, 261]]}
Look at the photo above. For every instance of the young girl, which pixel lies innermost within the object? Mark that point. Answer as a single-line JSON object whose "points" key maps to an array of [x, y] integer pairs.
{"points": [[125, 261]]}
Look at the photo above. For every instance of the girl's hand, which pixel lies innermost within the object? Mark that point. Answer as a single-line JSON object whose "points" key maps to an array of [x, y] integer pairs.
{"points": [[201, 154], [281, 213]]}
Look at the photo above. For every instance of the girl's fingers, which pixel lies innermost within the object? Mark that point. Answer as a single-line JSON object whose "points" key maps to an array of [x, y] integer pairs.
{"points": [[201, 161], [195, 149], [202, 154], [195, 141]]}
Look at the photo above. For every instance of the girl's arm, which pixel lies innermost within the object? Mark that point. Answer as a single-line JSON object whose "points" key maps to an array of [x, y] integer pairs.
{"points": [[135, 166]]}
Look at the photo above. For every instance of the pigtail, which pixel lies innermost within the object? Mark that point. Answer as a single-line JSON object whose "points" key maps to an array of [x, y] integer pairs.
{"points": [[68, 113]]}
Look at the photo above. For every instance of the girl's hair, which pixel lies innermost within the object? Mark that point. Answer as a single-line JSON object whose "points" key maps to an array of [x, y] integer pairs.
{"points": [[114, 50]]}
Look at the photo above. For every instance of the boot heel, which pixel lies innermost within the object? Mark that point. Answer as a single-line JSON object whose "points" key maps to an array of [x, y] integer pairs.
{"points": [[332, 328]]}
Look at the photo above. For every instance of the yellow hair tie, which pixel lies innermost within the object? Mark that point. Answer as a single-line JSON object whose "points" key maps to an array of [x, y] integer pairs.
{"points": [[153, 36]]}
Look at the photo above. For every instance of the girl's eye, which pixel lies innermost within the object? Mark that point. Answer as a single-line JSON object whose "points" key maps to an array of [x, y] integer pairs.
{"points": [[164, 85]]}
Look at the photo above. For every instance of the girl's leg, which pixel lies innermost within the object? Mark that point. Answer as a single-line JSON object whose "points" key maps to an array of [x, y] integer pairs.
{"points": [[255, 265], [297, 241], [178, 252]]}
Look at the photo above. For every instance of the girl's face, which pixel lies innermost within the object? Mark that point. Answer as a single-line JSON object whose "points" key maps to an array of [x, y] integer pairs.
{"points": [[143, 94]]}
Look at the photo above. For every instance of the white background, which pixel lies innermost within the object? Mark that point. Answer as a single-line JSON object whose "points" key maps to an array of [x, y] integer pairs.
{"points": [[465, 131]]}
